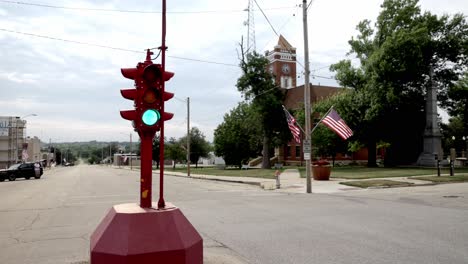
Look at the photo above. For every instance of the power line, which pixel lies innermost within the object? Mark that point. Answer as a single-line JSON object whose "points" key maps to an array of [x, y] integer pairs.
{"points": [[266, 18], [70, 41], [281, 28], [113, 48], [204, 61], [127, 11], [323, 77]]}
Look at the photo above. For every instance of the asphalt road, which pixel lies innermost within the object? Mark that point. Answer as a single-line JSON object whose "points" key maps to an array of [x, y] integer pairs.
{"points": [[50, 220]]}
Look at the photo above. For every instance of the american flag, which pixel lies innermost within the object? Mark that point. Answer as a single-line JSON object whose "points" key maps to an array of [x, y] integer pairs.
{"points": [[335, 123], [295, 131]]}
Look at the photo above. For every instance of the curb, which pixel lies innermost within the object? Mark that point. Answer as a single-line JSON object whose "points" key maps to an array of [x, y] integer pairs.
{"points": [[214, 179]]}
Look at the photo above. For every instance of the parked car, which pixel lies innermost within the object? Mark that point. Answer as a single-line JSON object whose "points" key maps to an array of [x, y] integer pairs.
{"points": [[22, 170]]}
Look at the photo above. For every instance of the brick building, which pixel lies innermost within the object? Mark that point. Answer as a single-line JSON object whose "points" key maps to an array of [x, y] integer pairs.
{"points": [[283, 67]]}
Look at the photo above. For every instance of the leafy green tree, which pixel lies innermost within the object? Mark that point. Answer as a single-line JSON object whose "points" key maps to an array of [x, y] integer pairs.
{"points": [[175, 151], [238, 138], [455, 128], [457, 103], [199, 147], [257, 85], [396, 57]]}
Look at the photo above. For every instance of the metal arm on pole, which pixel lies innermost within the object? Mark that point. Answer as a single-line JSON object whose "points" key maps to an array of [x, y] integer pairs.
{"points": [[323, 117]]}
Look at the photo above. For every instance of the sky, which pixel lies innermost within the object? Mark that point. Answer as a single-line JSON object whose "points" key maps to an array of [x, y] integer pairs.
{"points": [[70, 92]]}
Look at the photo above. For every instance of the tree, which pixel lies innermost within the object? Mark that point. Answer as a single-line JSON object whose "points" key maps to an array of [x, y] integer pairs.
{"points": [[257, 85], [396, 57], [175, 151], [238, 138], [456, 103], [454, 129], [199, 147]]}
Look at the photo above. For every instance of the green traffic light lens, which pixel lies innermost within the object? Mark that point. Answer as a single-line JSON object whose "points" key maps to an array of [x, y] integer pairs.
{"points": [[150, 117]]}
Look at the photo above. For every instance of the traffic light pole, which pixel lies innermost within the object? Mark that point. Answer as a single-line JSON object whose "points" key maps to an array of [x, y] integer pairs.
{"points": [[161, 202], [146, 169]]}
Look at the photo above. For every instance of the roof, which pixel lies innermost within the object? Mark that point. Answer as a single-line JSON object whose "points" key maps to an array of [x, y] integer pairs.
{"points": [[284, 43], [295, 96]]}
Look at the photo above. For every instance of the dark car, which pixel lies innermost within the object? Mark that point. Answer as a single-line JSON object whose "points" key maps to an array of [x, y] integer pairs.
{"points": [[22, 170]]}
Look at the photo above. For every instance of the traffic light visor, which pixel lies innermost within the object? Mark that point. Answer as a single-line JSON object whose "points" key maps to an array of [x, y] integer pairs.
{"points": [[150, 117], [129, 73], [152, 73]]}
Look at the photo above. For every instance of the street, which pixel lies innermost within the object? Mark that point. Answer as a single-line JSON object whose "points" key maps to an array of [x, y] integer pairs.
{"points": [[50, 220]]}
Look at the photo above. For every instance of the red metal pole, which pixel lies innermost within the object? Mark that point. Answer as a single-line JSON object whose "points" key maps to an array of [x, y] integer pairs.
{"points": [[146, 170], [161, 202]]}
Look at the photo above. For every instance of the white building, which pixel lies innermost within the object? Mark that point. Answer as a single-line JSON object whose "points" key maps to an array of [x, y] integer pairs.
{"points": [[12, 131]]}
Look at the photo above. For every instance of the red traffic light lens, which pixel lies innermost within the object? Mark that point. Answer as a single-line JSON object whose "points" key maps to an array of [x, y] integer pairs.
{"points": [[150, 96]]}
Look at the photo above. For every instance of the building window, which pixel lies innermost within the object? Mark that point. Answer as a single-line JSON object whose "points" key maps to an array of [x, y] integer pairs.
{"points": [[298, 151]]}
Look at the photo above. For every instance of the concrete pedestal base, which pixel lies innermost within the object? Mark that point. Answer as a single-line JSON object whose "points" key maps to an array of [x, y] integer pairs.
{"points": [[129, 234], [427, 160]]}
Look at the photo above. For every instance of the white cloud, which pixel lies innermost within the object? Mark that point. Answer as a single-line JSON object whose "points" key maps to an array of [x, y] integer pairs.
{"points": [[23, 78], [74, 88]]}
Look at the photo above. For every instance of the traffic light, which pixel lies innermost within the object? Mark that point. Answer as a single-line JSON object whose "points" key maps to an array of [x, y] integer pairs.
{"points": [[148, 96], [154, 96]]}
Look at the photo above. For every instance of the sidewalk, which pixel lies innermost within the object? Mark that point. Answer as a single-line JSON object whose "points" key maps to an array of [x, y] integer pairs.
{"points": [[291, 182]]}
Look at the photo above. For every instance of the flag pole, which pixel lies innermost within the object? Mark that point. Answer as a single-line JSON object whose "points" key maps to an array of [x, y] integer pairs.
{"points": [[286, 110], [323, 117]]}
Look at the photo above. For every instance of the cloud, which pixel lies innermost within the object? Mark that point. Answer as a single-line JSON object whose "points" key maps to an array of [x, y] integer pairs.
{"points": [[74, 88]]}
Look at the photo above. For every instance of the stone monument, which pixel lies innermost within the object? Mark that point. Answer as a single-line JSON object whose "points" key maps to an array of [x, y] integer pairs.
{"points": [[432, 136]]}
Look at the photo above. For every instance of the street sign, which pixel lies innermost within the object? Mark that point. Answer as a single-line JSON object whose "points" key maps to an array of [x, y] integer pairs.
{"points": [[306, 146], [306, 156]]}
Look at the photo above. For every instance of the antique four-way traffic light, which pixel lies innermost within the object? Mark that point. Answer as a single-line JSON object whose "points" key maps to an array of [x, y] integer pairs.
{"points": [[149, 96], [148, 117]]}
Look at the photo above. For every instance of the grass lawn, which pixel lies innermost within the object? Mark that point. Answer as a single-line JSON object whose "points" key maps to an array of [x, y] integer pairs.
{"points": [[256, 173], [376, 183], [443, 179], [359, 172]]}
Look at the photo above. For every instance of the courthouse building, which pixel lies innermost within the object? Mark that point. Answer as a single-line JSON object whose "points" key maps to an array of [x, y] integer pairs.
{"points": [[283, 66]]}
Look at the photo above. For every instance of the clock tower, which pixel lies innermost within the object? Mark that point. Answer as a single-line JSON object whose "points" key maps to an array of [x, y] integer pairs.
{"points": [[283, 63]]}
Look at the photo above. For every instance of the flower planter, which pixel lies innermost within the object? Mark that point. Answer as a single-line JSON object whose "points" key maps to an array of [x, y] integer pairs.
{"points": [[321, 172]]}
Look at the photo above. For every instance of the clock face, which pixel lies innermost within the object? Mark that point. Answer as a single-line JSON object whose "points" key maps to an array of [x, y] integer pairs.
{"points": [[285, 68]]}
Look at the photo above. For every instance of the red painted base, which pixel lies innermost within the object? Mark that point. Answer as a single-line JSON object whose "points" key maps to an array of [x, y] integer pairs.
{"points": [[129, 234]]}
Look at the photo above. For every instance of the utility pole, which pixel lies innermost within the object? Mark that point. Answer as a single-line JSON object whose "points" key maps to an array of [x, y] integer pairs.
{"points": [[307, 103], [188, 136]]}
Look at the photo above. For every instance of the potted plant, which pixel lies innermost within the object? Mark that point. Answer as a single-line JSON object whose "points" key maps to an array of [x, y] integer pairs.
{"points": [[321, 170]]}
